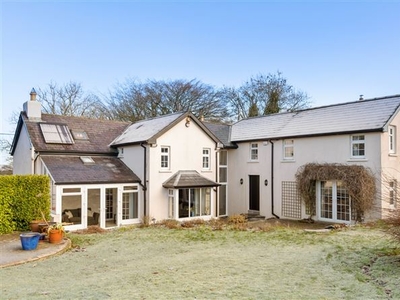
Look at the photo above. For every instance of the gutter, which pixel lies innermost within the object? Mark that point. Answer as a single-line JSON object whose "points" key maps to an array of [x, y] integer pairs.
{"points": [[144, 185], [272, 180]]}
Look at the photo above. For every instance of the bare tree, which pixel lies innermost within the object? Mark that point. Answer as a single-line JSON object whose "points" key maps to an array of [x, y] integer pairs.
{"points": [[268, 93], [134, 100], [70, 100]]}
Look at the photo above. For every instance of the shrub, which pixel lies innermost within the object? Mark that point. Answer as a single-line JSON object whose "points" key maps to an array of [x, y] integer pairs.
{"points": [[23, 198]]}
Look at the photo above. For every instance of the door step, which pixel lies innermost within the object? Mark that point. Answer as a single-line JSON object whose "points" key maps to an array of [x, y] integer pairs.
{"points": [[254, 217]]}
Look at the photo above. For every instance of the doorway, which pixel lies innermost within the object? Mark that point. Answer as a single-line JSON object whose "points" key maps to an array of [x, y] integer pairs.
{"points": [[254, 192]]}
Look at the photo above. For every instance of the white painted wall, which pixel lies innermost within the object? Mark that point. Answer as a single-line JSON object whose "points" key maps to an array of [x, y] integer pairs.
{"points": [[186, 150], [329, 149], [390, 167], [23, 154]]}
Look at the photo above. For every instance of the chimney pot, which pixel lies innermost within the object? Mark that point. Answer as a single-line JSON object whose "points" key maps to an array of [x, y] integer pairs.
{"points": [[33, 94], [361, 97]]}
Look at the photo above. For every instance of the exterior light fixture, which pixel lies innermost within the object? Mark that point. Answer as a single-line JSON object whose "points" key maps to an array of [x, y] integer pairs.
{"points": [[241, 180]]}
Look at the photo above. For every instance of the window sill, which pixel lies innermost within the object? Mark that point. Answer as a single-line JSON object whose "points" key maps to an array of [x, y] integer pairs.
{"points": [[288, 161], [165, 171], [356, 159], [392, 154], [206, 171], [253, 161]]}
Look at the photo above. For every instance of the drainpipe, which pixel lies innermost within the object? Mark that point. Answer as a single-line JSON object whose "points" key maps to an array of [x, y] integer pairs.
{"points": [[272, 180], [144, 185]]}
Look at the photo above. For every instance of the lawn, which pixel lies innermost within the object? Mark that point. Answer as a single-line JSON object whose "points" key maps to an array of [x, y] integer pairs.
{"points": [[274, 262]]}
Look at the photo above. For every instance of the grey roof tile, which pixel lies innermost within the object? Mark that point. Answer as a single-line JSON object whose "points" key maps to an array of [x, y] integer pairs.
{"points": [[100, 134], [359, 116], [188, 179], [66, 169], [143, 131]]}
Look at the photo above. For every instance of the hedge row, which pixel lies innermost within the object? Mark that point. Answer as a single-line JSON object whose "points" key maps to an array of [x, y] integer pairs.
{"points": [[23, 198]]}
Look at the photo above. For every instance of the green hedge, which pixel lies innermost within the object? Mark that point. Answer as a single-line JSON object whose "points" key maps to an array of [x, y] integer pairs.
{"points": [[22, 199]]}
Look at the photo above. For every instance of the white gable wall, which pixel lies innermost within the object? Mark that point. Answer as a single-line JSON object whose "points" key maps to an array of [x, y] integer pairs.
{"points": [[23, 154], [186, 149]]}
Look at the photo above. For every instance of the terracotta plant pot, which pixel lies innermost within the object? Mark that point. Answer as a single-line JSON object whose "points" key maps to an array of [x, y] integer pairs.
{"points": [[35, 225], [55, 236]]}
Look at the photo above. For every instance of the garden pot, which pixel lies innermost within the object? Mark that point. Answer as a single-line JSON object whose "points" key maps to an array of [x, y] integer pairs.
{"points": [[29, 240], [55, 236], [35, 225]]}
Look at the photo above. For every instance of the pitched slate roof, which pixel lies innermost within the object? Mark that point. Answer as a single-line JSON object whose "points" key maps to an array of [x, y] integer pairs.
{"points": [[71, 170], [222, 132], [359, 116], [143, 131], [100, 134], [188, 179], [149, 130]]}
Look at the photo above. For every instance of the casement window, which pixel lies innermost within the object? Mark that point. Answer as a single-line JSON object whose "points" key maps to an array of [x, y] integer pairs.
{"points": [[253, 151], [206, 158], [392, 139], [358, 146], [288, 149], [393, 193], [165, 158]]}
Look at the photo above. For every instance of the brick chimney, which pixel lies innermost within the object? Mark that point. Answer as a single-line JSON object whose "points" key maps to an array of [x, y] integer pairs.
{"points": [[33, 108]]}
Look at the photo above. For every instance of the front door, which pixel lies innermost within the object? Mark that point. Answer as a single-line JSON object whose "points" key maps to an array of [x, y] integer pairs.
{"points": [[254, 192]]}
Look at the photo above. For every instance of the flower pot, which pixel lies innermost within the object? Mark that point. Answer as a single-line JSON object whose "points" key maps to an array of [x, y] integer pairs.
{"points": [[35, 225], [29, 240], [55, 236]]}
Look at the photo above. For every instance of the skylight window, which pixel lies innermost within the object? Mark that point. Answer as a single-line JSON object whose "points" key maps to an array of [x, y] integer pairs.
{"points": [[79, 135], [87, 160], [56, 134]]}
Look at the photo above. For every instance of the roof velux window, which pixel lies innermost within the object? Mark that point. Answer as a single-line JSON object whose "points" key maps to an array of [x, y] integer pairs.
{"points": [[56, 134], [87, 160], [79, 135]]}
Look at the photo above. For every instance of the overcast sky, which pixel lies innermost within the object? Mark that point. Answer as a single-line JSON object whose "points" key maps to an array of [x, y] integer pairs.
{"points": [[334, 51]]}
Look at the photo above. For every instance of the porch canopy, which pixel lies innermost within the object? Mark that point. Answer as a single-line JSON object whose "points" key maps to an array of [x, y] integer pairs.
{"points": [[66, 169], [188, 179]]}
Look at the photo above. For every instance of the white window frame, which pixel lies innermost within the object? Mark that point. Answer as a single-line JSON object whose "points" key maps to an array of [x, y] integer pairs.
{"points": [[392, 139], [335, 203], [287, 145], [253, 151], [355, 143], [165, 157], [223, 166], [206, 161]]}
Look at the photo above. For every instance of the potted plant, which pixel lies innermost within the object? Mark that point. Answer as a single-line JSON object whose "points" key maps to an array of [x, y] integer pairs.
{"points": [[55, 232]]}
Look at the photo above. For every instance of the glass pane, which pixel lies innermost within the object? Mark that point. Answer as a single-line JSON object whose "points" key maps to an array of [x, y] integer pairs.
{"points": [[129, 206], [183, 203], [222, 201], [71, 209], [326, 199], [223, 158], [223, 174], [342, 203]]}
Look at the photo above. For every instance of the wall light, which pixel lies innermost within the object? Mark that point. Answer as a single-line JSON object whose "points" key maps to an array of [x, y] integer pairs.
{"points": [[241, 180]]}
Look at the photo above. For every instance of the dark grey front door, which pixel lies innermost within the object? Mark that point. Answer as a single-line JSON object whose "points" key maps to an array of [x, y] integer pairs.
{"points": [[254, 192]]}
